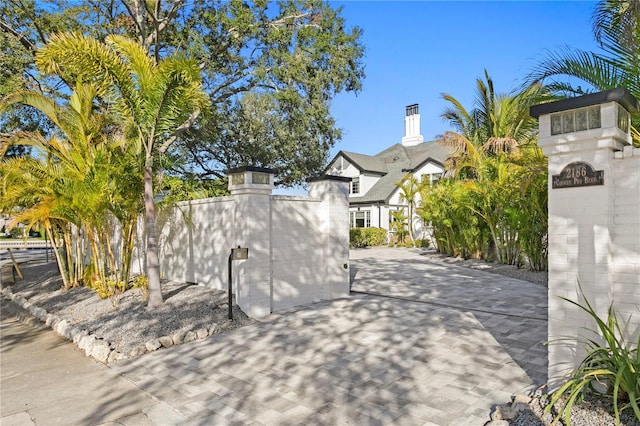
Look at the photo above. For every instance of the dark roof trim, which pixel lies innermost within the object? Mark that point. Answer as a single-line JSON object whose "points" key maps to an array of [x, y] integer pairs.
{"points": [[340, 153], [366, 203], [330, 177], [427, 160], [357, 166], [251, 169], [619, 95]]}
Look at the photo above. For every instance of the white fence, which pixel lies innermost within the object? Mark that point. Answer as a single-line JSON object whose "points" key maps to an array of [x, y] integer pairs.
{"points": [[20, 244]]}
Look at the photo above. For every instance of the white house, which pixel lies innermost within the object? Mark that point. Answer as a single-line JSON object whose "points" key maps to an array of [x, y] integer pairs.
{"points": [[374, 193]]}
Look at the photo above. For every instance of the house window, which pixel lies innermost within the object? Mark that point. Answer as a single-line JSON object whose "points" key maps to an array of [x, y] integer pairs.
{"points": [[360, 219], [355, 185], [430, 178]]}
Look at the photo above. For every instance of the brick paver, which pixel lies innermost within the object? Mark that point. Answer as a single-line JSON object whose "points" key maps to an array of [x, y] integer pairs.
{"points": [[403, 357]]}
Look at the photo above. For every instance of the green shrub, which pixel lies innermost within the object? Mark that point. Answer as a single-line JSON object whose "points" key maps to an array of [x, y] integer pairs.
{"points": [[109, 288], [422, 243], [113, 289], [365, 237], [141, 283], [613, 364]]}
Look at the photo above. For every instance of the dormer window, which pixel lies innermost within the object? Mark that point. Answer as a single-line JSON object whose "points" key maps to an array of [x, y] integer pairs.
{"points": [[355, 185]]}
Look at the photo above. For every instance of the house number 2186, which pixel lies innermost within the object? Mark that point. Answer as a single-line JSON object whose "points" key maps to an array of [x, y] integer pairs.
{"points": [[576, 172]]}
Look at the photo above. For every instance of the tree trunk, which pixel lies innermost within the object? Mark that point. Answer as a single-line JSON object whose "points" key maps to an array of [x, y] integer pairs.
{"points": [[413, 241], [153, 262], [61, 267]]}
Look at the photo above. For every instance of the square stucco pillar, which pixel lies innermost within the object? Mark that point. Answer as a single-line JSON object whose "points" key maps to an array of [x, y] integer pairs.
{"points": [[333, 192], [580, 137], [251, 189]]}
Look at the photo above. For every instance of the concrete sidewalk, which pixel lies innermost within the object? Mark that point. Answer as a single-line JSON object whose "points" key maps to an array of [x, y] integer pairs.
{"points": [[46, 380]]}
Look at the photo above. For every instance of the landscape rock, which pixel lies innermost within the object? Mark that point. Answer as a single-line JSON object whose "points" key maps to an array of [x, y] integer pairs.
{"points": [[166, 341], [38, 312], [137, 351], [201, 333], [153, 345], [190, 337], [61, 327], [78, 333], [115, 356], [100, 350], [50, 319], [178, 338], [525, 399], [86, 342], [503, 412]]}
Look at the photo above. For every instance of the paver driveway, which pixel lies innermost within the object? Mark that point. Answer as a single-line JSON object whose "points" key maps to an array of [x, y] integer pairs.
{"points": [[430, 349]]}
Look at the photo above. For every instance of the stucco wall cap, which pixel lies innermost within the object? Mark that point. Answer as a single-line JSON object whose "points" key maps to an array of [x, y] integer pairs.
{"points": [[619, 95], [250, 169]]}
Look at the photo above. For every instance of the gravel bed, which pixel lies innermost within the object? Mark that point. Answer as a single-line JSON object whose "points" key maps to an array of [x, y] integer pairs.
{"points": [[123, 321], [539, 278], [529, 411]]}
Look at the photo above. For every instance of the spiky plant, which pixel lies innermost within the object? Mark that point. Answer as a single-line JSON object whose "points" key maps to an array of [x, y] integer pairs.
{"points": [[610, 362]]}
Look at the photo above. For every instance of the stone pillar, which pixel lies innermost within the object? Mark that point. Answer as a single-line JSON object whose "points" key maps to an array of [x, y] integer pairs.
{"points": [[580, 137], [251, 189], [333, 192]]}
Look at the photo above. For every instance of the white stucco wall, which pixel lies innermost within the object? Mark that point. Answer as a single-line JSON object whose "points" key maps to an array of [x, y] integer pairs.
{"points": [[366, 183], [297, 251], [298, 246], [195, 239], [625, 247]]}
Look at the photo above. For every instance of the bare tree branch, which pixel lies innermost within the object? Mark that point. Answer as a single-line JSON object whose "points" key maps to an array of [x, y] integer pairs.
{"points": [[285, 20], [182, 128], [22, 39], [135, 16]]}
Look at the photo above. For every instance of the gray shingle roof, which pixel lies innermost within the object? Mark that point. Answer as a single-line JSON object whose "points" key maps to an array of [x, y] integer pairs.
{"points": [[395, 162], [384, 187], [365, 163]]}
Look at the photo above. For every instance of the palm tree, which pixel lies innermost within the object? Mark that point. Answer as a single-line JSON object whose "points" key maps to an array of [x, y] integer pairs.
{"points": [[490, 142], [498, 123], [409, 189], [616, 28], [83, 173], [398, 226], [153, 100]]}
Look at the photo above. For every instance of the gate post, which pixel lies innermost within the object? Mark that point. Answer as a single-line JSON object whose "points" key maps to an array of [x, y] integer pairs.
{"points": [[580, 137], [251, 189], [333, 191]]}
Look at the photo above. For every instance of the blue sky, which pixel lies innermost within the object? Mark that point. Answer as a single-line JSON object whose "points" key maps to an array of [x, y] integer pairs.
{"points": [[416, 50]]}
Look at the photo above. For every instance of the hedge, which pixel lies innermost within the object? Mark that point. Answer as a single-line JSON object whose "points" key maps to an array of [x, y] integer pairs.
{"points": [[365, 237]]}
